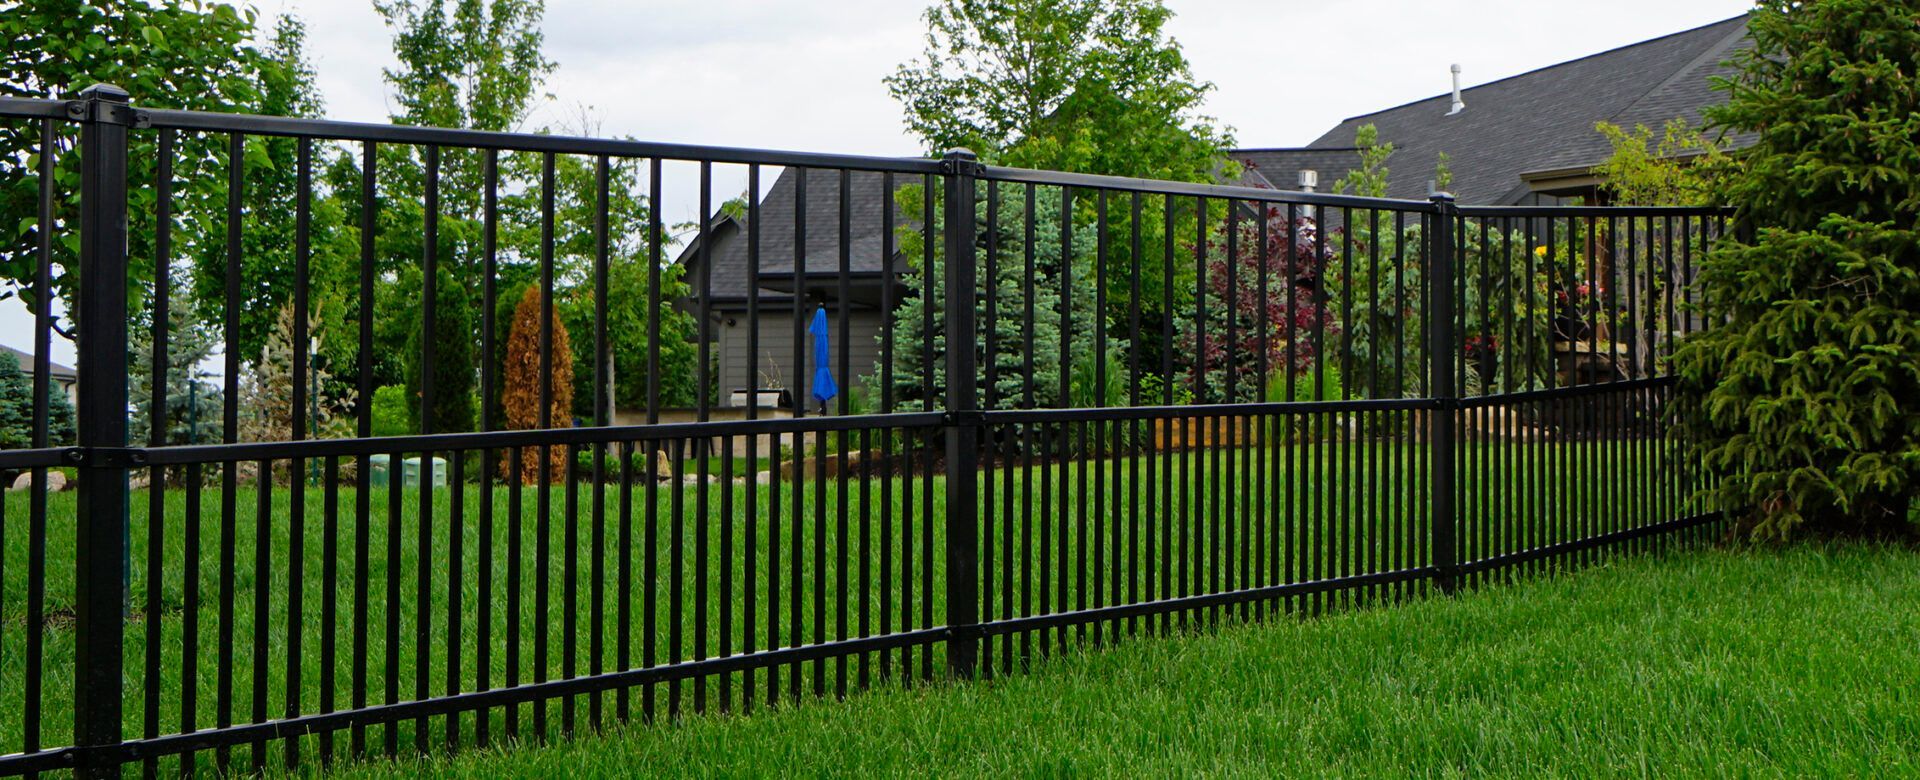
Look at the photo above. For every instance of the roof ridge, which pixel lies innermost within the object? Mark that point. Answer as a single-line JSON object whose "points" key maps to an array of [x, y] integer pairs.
{"points": [[1259, 149], [1713, 51], [1547, 68]]}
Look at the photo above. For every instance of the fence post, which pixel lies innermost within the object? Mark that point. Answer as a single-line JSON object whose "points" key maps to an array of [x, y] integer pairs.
{"points": [[959, 170], [1441, 343], [100, 534]]}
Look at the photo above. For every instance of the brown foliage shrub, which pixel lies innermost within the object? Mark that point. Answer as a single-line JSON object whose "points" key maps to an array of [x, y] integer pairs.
{"points": [[521, 395]]}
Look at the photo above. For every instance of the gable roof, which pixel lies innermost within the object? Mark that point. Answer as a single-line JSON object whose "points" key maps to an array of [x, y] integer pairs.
{"points": [[1541, 120], [1280, 168], [866, 201], [55, 371]]}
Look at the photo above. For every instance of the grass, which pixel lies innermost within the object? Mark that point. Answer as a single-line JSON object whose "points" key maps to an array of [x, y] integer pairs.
{"points": [[1341, 508], [1706, 663]]}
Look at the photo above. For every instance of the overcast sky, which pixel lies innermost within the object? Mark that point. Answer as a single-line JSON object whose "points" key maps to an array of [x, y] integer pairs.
{"points": [[789, 74]]}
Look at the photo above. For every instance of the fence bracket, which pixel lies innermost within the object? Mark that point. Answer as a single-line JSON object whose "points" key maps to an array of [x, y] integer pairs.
{"points": [[952, 165], [106, 457], [106, 112], [965, 418]]}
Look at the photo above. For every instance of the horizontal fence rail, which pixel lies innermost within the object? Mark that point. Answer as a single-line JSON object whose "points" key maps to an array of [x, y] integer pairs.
{"points": [[395, 439]]}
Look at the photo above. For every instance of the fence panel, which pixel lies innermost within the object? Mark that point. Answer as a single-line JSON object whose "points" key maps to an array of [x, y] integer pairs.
{"points": [[403, 439]]}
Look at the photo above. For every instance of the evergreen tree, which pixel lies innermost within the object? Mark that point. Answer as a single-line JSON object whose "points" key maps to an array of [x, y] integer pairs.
{"points": [[453, 363], [1799, 399], [192, 409], [267, 410], [17, 407], [524, 382], [1045, 294]]}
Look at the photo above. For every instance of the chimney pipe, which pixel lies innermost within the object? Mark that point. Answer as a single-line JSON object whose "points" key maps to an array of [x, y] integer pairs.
{"points": [[1309, 179], [1458, 104]]}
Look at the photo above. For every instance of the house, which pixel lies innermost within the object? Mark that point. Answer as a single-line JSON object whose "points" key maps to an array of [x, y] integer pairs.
{"points": [[63, 379], [873, 259], [1526, 139]]}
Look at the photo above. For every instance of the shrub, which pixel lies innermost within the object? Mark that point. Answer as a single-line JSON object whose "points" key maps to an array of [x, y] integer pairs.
{"points": [[267, 408], [522, 387], [1798, 401], [392, 415], [1289, 270], [453, 366]]}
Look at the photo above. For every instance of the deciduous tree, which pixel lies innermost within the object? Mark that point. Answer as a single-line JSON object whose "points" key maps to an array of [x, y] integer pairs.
{"points": [[188, 54]]}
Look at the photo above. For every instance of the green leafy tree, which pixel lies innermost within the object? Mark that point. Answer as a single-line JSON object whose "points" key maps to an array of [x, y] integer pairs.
{"points": [[187, 54], [1799, 400], [1092, 86], [479, 64], [284, 86], [1084, 85], [471, 64], [16, 409], [627, 337], [1684, 168], [1370, 179]]}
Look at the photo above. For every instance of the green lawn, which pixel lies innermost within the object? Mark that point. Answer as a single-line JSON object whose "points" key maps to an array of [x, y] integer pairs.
{"points": [[1708, 663], [1341, 508]]}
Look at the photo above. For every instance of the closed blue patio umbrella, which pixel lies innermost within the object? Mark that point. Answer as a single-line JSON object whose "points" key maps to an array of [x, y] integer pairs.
{"points": [[824, 388]]}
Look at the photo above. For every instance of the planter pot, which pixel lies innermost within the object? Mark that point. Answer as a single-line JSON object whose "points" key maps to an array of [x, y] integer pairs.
{"points": [[764, 398]]}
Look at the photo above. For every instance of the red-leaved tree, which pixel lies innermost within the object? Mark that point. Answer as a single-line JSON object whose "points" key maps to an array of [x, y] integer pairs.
{"points": [[1264, 309]]}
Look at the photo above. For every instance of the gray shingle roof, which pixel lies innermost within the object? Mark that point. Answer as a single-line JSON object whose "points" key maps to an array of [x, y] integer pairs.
{"points": [[1280, 168], [866, 201], [56, 371], [1537, 121]]}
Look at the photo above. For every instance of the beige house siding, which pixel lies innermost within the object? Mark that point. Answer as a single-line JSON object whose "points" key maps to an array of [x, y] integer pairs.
{"points": [[774, 365]]}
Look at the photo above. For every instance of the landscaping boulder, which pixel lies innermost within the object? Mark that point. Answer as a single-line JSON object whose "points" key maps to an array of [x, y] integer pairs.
{"points": [[805, 467], [56, 481]]}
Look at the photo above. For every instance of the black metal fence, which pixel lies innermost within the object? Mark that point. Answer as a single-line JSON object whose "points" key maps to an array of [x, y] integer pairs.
{"points": [[1184, 404]]}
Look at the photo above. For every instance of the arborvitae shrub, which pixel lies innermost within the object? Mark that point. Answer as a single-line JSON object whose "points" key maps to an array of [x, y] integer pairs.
{"points": [[1800, 398], [454, 335], [522, 391]]}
